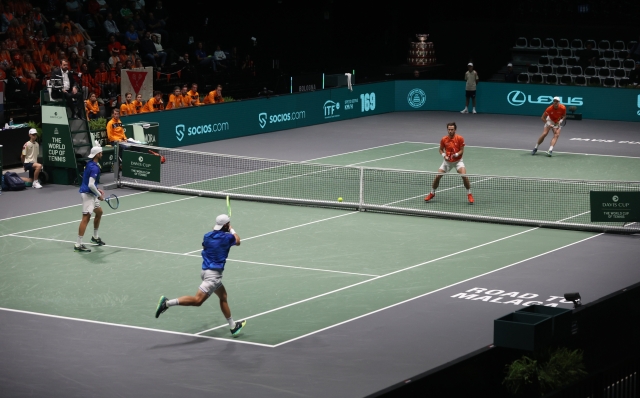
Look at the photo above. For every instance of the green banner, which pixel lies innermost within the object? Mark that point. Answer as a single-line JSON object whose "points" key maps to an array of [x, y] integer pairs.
{"points": [[57, 148], [141, 166], [615, 206]]}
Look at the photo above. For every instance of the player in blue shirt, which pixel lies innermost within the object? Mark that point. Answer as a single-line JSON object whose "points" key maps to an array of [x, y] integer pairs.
{"points": [[215, 250], [91, 197]]}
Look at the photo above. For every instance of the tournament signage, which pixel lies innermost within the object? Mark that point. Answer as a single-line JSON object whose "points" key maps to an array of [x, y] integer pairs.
{"points": [[615, 206], [141, 166], [57, 148]]}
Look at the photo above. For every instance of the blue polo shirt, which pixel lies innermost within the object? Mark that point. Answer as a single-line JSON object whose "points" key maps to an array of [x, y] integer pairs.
{"points": [[215, 249], [92, 170]]}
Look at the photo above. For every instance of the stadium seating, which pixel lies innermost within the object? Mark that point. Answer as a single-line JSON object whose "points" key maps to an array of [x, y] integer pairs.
{"points": [[619, 45], [523, 78], [553, 52], [576, 44], [533, 69], [562, 70], [549, 43], [566, 79], [573, 61], [593, 43], [522, 42], [628, 65], [537, 78], [576, 71], [604, 45], [552, 79], [566, 53], [614, 63], [544, 60], [535, 43], [547, 70], [557, 61], [624, 82], [608, 82], [580, 81], [563, 44]]}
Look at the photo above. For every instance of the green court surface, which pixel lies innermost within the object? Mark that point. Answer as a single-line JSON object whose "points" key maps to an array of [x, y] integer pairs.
{"points": [[298, 270]]}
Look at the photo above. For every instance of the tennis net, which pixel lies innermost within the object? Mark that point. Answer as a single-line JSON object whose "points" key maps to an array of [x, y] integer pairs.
{"points": [[513, 200]]}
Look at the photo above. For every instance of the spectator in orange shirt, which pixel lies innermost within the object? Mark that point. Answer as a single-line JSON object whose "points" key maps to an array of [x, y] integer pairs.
{"points": [[92, 107], [214, 97], [451, 149], [115, 131], [46, 66], [128, 107], [66, 23], [552, 117], [186, 100], [30, 72], [193, 93], [138, 103], [175, 99], [88, 83], [154, 104]]}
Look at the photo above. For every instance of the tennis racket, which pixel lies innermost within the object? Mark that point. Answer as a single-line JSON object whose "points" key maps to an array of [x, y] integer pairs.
{"points": [[113, 201], [228, 206], [563, 122]]}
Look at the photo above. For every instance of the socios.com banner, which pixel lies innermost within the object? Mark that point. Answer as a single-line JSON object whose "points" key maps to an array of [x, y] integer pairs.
{"points": [[240, 118], [519, 99]]}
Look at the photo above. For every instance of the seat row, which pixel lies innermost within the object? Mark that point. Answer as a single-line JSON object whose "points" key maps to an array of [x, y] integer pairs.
{"points": [[575, 44], [627, 64], [618, 79], [569, 53]]}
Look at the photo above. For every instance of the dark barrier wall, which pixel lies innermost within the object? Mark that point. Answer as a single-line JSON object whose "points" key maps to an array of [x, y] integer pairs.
{"points": [[235, 119]]}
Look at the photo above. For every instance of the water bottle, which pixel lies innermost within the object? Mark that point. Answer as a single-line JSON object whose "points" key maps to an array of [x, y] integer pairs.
{"points": [[11, 122]]}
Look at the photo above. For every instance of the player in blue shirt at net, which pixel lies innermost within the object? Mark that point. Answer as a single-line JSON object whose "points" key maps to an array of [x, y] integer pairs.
{"points": [[91, 197], [215, 250]]}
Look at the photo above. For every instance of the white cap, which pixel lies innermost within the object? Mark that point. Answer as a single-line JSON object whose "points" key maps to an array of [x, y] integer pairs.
{"points": [[509, 64], [469, 64], [221, 220], [33, 132], [556, 99], [94, 151]]}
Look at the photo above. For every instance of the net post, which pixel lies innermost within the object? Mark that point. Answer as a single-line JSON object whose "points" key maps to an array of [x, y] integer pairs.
{"points": [[361, 201], [116, 169]]}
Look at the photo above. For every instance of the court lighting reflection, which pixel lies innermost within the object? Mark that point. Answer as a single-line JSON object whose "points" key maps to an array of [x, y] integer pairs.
{"points": [[575, 297]]}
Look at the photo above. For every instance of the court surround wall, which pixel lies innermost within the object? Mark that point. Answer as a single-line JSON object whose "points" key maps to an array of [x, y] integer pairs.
{"points": [[262, 115]]}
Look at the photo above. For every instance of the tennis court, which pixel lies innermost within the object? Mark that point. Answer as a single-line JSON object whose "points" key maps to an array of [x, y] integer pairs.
{"points": [[332, 295], [299, 269]]}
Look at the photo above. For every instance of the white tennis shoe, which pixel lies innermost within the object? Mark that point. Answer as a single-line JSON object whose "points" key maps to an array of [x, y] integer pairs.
{"points": [[36, 184]]}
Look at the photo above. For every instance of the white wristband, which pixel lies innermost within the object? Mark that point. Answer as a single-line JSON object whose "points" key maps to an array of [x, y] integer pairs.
{"points": [[444, 155], [232, 231], [455, 155]]}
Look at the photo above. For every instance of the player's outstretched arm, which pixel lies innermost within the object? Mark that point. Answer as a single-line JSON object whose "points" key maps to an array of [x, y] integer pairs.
{"points": [[232, 231]]}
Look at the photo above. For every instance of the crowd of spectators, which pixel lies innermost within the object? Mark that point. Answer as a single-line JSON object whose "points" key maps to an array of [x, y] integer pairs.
{"points": [[34, 42]]}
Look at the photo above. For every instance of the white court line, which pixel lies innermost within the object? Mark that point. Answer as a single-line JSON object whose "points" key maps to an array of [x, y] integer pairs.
{"points": [[359, 150], [197, 256], [65, 207], [529, 150], [433, 291], [136, 327], [393, 156], [376, 278], [103, 215]]}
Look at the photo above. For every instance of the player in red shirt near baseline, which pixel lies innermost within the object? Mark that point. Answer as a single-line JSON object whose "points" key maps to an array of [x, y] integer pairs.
{"points": [[552, 117], [451, 149]]}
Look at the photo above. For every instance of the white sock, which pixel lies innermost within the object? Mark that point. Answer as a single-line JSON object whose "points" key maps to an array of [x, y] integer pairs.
{"points": [[433, 191], [79, 241], [171, 303], [535, 147], [551, 148], [232, 323], [95, 233], [474, 108], [468, 190]]}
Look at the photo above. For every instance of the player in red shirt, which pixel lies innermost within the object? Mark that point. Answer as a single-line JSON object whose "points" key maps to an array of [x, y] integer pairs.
{"points": [[451, 149], [552, 117]]}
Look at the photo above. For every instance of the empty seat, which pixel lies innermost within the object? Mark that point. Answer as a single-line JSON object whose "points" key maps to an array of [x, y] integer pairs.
{"points": [[564, 80], [546, 70], [576, 44], [558, 61], [604, 45], [604, 72], [593, 81], [535, 43], [562, 70], [543, 61], [619, 73], [552, 79], [533, 69], [624, 82], [601, 63], [521, 42], [523, 78], [593, 43], [628, 64], [553, 52], [631, 44], [537, 78], [608, 82], [566, 53], [590, 71], [615, 64], [622, 54], [580, 80], [563, 43], [576, 71], [608, 54], [619, 45], [548, 43]]}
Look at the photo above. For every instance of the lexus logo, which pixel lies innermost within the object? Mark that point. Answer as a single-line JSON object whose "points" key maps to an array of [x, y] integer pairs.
{"points": [[516, 98]]}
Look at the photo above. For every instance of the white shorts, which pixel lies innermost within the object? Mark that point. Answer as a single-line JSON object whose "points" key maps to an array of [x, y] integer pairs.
{"points": [[90, 202], [447, 166], [211, 281]]}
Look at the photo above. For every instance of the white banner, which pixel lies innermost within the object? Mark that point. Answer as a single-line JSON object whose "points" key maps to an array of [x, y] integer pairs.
{"points": [[137, 81]]}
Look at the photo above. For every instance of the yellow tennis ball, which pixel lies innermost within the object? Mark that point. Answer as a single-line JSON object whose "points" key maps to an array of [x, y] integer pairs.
{"points": [[340, 199]]}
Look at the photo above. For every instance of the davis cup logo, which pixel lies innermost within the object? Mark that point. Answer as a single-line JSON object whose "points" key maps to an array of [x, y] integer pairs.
{"points": [[416, 98], [615, 198], [516, 98], [140, 159]]}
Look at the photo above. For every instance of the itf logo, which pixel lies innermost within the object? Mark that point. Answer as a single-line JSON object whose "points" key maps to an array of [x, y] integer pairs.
{"points": [[180, 132], [416, 98], [330, 107], [262, 118]]}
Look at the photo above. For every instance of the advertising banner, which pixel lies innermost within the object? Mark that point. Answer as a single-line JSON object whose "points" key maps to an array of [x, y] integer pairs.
{"points": [[57, 149], [615, 206], [141, 166]]}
